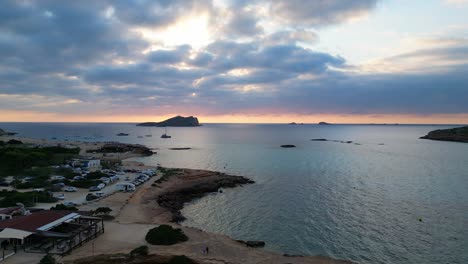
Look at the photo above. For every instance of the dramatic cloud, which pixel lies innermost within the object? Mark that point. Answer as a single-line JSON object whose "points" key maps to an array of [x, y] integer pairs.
{"points": [[320, 12], [213, 58]]}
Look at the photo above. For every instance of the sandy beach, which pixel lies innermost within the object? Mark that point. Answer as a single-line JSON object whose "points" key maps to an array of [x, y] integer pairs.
{"points": [[138, 212]]}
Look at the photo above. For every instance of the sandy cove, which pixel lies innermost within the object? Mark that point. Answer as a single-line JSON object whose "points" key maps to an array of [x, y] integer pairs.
{"points": [[136, 213]]}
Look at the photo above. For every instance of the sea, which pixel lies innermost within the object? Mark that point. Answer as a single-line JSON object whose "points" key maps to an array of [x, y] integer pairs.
{"points": [[385, 197]]}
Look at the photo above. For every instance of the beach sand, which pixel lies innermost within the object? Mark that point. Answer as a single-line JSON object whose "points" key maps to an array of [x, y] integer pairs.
{"points": [[140, 212]]}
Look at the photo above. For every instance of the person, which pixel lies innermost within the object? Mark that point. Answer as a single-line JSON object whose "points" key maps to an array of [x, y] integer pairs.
{"points": [[207, 250]]}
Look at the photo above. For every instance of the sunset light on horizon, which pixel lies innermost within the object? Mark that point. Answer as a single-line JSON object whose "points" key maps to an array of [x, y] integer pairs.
{"points": [[365, 61]]}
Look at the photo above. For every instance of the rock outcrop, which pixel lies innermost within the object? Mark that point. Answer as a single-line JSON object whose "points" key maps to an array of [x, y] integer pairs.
{"points": [[5, 133], [178, 121], [288, 146], [174, 200], [252, 243], [458, 134], [324, 123]]}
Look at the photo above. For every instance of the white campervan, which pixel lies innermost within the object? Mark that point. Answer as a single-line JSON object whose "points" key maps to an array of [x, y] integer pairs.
{"points": [[125, 187]]}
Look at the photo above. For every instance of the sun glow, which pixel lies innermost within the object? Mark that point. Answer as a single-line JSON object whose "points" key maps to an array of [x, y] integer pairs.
{"points": [[192, 30]]}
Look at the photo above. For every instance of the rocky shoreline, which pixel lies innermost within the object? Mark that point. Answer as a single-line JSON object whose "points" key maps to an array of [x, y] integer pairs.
{"points": [[458, 134], [175, 199]]}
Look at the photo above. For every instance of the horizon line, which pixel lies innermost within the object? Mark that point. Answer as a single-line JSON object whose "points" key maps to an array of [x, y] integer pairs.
{"points": [[247, 123]]}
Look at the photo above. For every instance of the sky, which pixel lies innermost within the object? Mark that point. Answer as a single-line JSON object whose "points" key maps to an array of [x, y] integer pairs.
{"points": [[257, 61]]}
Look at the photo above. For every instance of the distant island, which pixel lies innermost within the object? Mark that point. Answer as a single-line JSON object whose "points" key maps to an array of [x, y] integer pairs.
{"points": [[294, 124], [459, 134], [178, 121], [324, 123]]}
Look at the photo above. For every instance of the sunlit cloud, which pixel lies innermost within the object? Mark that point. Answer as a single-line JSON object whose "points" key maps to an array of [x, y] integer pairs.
{"points": [[255, 61], [193, 30]]}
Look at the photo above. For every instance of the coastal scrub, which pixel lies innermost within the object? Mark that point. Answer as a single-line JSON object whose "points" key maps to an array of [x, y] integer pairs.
{"points": [[165, 235]]}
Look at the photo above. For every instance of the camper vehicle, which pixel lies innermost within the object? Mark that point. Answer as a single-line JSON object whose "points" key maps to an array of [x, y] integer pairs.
{"points": [[125, 187]]}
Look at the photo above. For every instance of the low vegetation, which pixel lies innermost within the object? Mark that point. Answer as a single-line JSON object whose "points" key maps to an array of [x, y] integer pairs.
{"points": [[96, 175], [17, 159], [181, 260], [102, 211], [62, 207], [48, 259], [165, 235], [11, 198], [167, 173], [14, 142], [38, 177], [84, 183], [139, 251]]}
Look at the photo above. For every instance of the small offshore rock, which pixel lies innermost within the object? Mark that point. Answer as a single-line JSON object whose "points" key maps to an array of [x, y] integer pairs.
{"points": [[252, 243]]}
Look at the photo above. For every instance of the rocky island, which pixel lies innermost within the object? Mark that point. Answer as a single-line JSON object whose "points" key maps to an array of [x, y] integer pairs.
{"points": [[324, 123], [178, 121], [458, 134]]}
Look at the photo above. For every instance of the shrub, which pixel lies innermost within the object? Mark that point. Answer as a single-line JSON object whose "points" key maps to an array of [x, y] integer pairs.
{"points": [[96, 175], [165, 235], [11, 198], [84, 183], [14, 159], [102, 211], [48, 259], [139, 251], [14, 142], [59, 207], [181, 260]]}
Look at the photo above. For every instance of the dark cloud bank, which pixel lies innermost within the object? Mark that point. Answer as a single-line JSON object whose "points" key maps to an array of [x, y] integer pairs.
{"points": [[70, 49]]}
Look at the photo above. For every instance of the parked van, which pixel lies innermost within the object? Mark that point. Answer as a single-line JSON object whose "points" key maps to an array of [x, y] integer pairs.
{"points": [[125, 187]]}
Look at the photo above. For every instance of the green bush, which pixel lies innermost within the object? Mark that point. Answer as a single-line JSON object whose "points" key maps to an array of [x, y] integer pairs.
{"points": [[102, 211], [84, 183], [60, 207], [181, 260], [96, 175], [15, 159], [139, 251], [11, 198], [14, 142], [165, 235], [48, 259]]}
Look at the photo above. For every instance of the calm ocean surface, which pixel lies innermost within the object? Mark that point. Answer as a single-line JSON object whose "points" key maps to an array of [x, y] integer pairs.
{"points": [[357, 202]]}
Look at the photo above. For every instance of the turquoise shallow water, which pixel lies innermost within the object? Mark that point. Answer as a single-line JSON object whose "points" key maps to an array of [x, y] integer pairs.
{"points": [[357, 202]]}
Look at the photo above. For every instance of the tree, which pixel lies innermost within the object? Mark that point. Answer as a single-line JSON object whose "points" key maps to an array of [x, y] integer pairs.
{"points": [[48, 259], [165, 235], [139, 251], [102, 211]]}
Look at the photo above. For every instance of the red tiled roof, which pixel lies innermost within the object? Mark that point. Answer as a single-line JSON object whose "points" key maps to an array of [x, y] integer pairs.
{"points": [[33, 221]]}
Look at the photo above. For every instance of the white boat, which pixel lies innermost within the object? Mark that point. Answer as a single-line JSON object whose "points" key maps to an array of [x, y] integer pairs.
{"points": [[165, 135]]}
